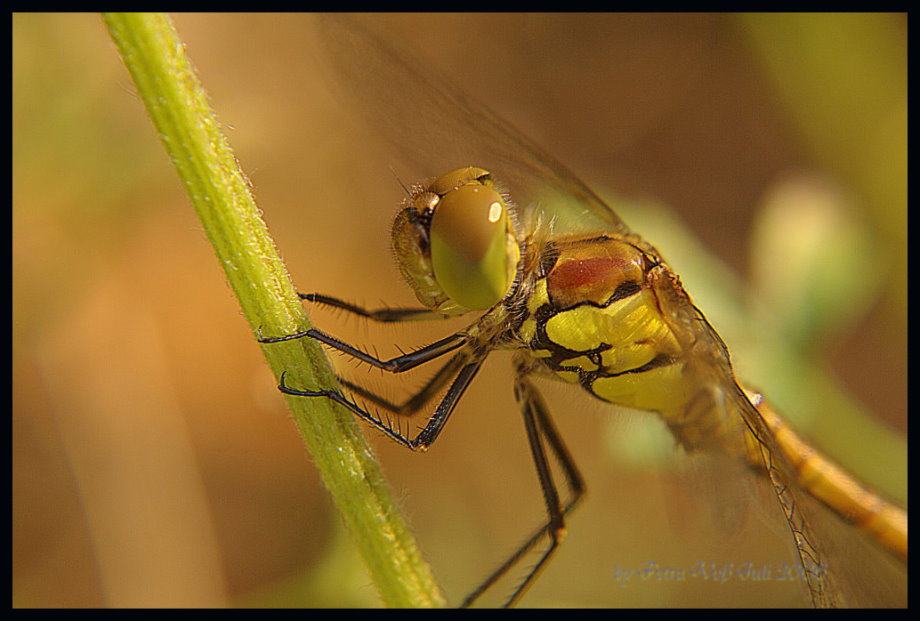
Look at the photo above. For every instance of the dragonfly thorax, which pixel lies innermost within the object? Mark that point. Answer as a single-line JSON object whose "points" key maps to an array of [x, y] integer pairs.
{"points": [[594, 319], [454, 242]]}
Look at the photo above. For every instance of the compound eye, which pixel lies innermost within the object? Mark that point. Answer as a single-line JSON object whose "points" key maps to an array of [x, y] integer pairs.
{"points": [[470, 232], [459, 177]]}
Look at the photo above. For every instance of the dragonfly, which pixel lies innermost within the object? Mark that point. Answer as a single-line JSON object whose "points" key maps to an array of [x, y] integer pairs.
{"points": [[553, 274]]}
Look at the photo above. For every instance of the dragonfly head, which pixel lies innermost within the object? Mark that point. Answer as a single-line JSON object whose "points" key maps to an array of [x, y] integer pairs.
{"points": [[454, 242]]}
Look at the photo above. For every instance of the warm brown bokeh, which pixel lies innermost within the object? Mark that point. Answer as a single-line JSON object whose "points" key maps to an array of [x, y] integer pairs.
{"points": [[153, 460]]}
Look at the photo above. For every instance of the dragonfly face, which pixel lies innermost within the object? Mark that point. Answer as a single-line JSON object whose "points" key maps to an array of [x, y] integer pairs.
{"points": [[455, 242]]}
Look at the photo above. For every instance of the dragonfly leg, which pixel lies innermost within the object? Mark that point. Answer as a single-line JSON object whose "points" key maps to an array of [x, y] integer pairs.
{"points": [[541, 434], [382, 315], [435, 424], [416, 402], [398, 364]]}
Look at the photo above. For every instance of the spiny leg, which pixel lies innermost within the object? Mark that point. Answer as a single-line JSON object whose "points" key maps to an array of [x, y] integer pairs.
{"points": [[464, 364], [398, 364], [415, 402], [382, 315], [432, 428], [540, 432]]}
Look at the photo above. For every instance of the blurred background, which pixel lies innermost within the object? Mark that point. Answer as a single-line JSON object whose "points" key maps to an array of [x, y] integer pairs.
{"points": [[154, 463]]}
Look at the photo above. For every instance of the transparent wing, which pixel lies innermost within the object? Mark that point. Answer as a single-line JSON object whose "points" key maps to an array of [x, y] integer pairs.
{"points": [[436, 127], [841, 565]]}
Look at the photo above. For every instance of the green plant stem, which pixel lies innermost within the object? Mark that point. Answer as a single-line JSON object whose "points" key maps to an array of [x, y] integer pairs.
{"points": [[219, 190]]}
